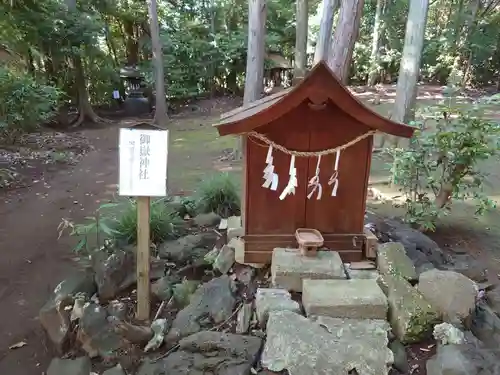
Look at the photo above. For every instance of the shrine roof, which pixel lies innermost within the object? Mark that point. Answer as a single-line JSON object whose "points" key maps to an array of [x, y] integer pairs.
{"points": [[319, 85]]}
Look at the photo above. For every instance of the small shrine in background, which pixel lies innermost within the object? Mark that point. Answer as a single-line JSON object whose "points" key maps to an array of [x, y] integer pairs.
{"points": [[136, 103], [277, 72], [307, 162]]}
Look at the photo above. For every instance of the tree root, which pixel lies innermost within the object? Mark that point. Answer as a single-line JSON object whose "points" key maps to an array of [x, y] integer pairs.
{"points": [[82, 118]]}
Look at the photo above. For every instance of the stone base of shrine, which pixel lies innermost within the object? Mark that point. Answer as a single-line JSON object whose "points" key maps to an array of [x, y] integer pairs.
{"points": [[289, 268], [258, 248], [356, 298]]}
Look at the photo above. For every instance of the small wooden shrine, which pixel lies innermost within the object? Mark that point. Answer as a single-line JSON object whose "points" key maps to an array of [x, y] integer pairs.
{"points": [[307, 155]]}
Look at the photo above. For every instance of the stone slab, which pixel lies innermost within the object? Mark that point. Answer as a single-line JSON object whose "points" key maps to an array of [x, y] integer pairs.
{"points": [[355, 298], [268, 299], [289, 268], [327, 346]]}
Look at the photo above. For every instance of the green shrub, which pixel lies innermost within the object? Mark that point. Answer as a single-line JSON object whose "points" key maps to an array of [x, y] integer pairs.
{"points": [[441, 164], [117, 223], [25, 102], [163, 221], [219, 194]]}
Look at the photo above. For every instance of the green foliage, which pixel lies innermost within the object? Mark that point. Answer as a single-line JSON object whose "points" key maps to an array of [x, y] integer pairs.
{"points": [[25, 102], [219, 194], [441, 164], [117, 223], [164, 223]]}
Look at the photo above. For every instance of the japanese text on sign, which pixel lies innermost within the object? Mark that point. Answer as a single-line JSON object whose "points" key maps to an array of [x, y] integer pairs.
{"points": [[143, 162]]}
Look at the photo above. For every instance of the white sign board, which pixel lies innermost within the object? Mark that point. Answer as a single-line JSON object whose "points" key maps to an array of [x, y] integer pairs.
{"points": [[143, 162]]}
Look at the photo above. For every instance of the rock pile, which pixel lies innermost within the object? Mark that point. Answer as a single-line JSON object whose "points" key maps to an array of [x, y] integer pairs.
{"points": [[307, 316]]}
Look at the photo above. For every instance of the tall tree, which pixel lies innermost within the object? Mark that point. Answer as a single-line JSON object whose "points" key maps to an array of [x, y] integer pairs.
{"points": [[406, 92], [375, 53], [325, 30], [345, 37], [254, 77], [85, 110], [301, 29], [161, 116]]}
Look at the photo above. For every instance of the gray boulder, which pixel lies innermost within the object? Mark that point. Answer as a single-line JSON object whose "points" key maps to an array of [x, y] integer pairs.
{"points": [[210, 219], [212, 303], [451, 293], [162, 288], [77, 366], [419, 247], [54, 316], [116, 272], [97, 334], [208, 353], [117, 370], [486, 325], [410, 315], [191, 248], [469, 358]]}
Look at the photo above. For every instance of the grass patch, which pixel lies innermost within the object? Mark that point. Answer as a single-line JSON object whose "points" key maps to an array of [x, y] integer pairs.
{"points": [[220, 194]]}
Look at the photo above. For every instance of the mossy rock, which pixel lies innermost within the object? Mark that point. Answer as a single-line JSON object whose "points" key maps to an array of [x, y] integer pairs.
{"points": [[412, 318], [392, 259]]}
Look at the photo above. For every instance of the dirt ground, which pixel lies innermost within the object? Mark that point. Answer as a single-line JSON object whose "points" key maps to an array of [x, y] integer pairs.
{"points": [[32, 259]]}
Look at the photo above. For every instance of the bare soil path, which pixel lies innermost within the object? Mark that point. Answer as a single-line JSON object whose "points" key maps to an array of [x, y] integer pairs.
{"points": [[32, 260]]}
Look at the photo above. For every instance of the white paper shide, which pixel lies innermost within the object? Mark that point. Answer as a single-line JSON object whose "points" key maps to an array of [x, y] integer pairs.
{"points": [[143, 162]]}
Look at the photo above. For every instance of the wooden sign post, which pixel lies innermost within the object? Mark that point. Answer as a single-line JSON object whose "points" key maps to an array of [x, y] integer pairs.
{"points": [[143, 174]]}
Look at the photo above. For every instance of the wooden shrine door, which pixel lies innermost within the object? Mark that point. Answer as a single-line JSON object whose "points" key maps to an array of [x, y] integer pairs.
{"points": [[343, 213]]}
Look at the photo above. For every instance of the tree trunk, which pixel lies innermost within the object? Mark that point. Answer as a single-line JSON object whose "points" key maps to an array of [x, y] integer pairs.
{"points": [[325, 30], [344, 38], [254, 75], [132, 44], [257, 12], [161, 116], [375, 54], [301, 16], [404, 106], [85, 110]]}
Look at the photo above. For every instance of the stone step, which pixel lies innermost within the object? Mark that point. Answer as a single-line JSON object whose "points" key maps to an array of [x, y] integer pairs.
{"points": [[289, 267], [356, 298]]}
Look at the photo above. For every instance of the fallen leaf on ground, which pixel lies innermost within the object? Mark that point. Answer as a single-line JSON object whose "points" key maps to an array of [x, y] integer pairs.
{"points": [[18, 345]]}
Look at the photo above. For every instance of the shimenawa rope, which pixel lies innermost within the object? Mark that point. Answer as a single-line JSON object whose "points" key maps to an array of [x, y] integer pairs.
{"points": [[329, 151]]}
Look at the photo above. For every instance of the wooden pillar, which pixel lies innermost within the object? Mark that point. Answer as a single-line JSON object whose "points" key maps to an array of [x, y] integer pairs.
{"points": [[143, 258]]}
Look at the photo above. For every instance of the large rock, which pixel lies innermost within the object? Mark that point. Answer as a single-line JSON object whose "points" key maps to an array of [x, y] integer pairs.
{"points": [[356, 298], [493, 299], [392, 259], [289, 267], [163, 287], [77, 366], [97, 334], [206, 352], [451, 293], [116, 272], [469, 267], [486, 325], [54, 315], [212, 303], [210, 219], [419, 247], [191, 248], [411, 316], [267, 300], [328, 346], [117, 370], [469, 358]]}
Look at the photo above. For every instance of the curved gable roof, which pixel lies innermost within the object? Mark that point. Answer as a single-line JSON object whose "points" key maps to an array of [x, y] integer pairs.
{"points": [[319, 85]]}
